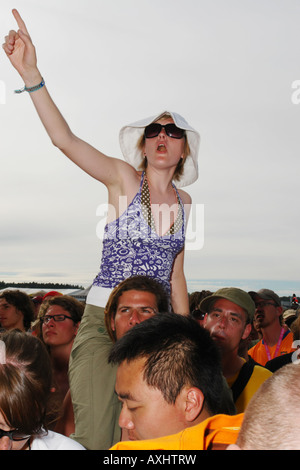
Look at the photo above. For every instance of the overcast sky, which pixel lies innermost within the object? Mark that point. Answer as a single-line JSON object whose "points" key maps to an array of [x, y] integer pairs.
{"points": [[228, 66]]}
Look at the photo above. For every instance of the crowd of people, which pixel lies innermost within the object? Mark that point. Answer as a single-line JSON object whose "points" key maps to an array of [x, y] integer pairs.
{"points": [[142, 365], [97, 382]]}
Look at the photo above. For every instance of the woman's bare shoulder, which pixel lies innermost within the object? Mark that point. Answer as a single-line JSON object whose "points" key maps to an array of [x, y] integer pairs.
{"points": [[185, 197]]}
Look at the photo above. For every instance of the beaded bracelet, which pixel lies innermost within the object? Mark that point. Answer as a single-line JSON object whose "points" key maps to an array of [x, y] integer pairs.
{"points": [[31, 89]]}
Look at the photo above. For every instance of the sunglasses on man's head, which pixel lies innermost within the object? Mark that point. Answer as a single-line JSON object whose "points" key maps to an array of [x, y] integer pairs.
{"points": [[171, 130], [198, 314]]}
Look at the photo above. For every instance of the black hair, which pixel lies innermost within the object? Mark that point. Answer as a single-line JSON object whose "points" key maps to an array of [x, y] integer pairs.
{"points": [[178, 353], [22, 302]]}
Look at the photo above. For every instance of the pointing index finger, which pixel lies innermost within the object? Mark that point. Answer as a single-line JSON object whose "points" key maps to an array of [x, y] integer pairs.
{"points": [[20, 22]]}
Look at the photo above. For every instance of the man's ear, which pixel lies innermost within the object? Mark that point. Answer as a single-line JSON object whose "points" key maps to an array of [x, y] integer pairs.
{"points": [[112, 323], [194, 401], [279, 311], [77, 327], [247, 331]]}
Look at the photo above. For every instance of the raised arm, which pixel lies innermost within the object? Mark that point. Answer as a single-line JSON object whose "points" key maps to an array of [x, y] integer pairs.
{"points": [[179, 292], [21, 52]]}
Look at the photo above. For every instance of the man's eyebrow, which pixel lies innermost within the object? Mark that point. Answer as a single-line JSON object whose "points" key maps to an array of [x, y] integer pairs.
{"points": [[218, 309], [126, 396], [133, 306]]}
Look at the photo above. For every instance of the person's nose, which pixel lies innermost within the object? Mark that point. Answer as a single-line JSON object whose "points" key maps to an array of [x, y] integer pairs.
{"points": [[50, 322], [259, 308], [5, 443], [134, 317], [222, 321], [162, 134], [125, 420]]}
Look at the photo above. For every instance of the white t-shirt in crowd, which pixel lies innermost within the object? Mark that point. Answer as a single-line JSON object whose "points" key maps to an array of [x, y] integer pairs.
{"points": [[54, 441]]}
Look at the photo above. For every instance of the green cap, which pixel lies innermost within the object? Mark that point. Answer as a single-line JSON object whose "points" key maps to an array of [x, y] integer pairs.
{"points": [[233, 294]]}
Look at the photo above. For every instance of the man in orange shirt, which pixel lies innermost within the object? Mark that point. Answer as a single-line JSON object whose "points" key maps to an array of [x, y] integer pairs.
{"points": [[276, 339], [215, 433]]}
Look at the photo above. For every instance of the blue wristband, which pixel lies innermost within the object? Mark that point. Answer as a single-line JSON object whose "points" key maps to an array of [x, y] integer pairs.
{"points": [[31, 89]]}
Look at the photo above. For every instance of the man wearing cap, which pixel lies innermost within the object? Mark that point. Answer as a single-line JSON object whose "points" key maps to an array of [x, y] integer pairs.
{"points": [[229, 313], [289, 316], [276, 338]]}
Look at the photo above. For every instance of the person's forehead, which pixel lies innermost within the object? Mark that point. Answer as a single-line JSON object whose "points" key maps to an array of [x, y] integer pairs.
{"points": [[3, 423], [130, 383], [136, 297], [258, 299], [225, 304], [56, 310], [130, 377]]}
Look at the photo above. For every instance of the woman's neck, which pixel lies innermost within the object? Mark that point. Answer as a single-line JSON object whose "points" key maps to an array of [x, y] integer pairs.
{"points": [[161, 190], [161, 182], [60, 356]]}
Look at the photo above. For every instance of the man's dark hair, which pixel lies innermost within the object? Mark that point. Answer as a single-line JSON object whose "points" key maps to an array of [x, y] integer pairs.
{"points": [[73, 306], [178, 353], [22, 302], [139, 283]]}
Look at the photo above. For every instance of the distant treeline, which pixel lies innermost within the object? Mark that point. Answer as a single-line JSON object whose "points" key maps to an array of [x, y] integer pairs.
{"points": [[56, 286], [38, 285]]}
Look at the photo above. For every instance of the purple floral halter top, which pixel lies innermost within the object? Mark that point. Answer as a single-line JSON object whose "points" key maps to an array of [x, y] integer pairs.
{"points": [[132, 247]]}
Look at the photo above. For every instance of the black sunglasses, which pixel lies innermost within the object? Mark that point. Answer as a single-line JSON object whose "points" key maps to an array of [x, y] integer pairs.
{"points": [[14, 435], [171, 130]]}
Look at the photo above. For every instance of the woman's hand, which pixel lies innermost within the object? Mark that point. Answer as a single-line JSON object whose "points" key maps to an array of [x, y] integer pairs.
{"points": [[21, 52], [112, 172]]}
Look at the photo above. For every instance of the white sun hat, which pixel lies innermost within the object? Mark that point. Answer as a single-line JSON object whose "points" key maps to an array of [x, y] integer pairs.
{"points": [[130, 135]]}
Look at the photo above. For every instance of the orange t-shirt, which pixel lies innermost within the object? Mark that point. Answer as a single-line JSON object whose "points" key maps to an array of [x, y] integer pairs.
{"points": [[215, 433], [259, 352]]}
